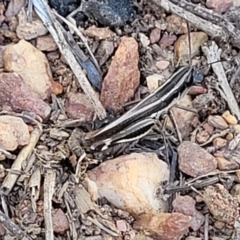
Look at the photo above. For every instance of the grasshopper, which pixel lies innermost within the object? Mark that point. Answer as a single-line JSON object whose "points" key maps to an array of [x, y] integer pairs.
{"points": [[139, 121]]}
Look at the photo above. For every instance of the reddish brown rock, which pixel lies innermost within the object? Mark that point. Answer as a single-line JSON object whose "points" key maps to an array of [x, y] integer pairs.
{"points": [[167, 40], [164, 226], [209, 128], [155, 35], [60, 222], [184, 205], [221, 204], [20, 97], [194, 160], [78, 106], [196, 90], [219, 6], [46, 43], [226, 165], [123, 75]]}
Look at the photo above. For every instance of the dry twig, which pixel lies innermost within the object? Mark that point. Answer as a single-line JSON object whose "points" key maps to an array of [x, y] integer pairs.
{"points": [[55, 28], [49, 184], [213, 56], [24, 155]]}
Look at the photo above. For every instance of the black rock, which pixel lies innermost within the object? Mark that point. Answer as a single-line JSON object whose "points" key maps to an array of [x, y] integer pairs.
{"points": [[64, 7], [108, 12]]}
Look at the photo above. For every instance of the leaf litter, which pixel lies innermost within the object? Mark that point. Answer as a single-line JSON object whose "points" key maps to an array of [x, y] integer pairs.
{"points": [[65, 76]]}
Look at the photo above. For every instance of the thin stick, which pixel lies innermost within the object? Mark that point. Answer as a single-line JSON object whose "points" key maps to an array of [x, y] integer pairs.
{"points": [[206, 225], [49, 184], [54, 27], [24, 155], [213, 54]]}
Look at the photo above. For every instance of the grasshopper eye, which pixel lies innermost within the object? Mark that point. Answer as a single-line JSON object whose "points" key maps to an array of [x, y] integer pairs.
{"points": [[197, 77]]}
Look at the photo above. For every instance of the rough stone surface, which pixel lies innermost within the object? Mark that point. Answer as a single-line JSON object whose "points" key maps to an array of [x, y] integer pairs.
{"points": [[229, 118], [164, 226], [123, 75], [219, 6], [176, 24], [182, 45], [130, 182], [155, 35], [184, 205], [221, 204], [46, 43], [20, 97], [99, 33], [194, 160], [78, 106], [60, 222], [33, 67], [217, 122]]}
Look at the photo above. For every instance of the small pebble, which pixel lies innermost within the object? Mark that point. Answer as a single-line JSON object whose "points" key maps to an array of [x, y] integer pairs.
{"points": [[219, 142], [229, 118], [155, 35], [202, 136], [229, 136], [219, 6], [153, 82], [162, 65], [217, 122], [144, 40], [225, 165], [194, 160]]}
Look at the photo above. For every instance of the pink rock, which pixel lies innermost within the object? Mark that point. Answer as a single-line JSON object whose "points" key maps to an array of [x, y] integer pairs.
{"points": [[194, 160], [122, 225], [197, 221], [60, 222], [219, 6], [164, 226], [184, 205], [162, 65], [167, 40]]}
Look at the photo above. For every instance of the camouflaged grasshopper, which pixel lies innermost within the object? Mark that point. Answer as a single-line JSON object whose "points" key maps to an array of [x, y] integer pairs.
{"points": [[139, 121]]}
